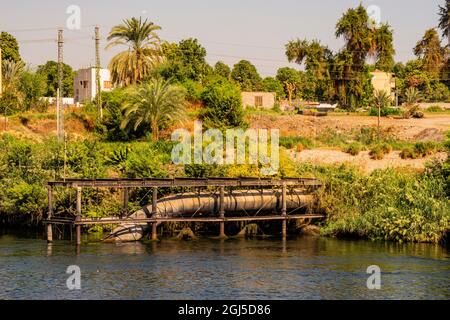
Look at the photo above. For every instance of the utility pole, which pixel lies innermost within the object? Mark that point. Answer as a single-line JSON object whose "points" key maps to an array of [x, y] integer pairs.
{"points": [[1, 83], [97, 72], [1, 74], [60, 106]]}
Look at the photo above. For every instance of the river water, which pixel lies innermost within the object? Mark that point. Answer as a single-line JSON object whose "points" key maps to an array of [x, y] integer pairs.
{"points": [[301, 268]]}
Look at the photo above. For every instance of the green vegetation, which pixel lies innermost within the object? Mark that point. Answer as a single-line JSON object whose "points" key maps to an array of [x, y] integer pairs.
{"points": [[133, 65], [378, 151], [420, 150], [354, 148], [386, 205], [223, 105], [435, 109], [50, 72], [155, 104], [10, 47], [160, 82], [296, 143], [246, 76]]}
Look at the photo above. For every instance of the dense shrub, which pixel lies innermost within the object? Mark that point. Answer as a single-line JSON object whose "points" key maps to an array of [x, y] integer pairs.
{"points": [[435, 108], [294, 142], [385, 205], [385, 112], [408, 153], [354, 149], [109, 127], [223, 105], [378, 151]]}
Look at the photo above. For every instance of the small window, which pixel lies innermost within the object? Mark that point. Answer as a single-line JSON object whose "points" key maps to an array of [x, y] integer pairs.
{"points": [[107, 84], [258, 101]]}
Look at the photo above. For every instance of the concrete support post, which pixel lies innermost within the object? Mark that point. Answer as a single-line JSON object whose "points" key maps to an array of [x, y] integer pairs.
{"points": [[125, 203], [50, 215], [78, 218], [222, 212], [155, 214], [284, 211]]}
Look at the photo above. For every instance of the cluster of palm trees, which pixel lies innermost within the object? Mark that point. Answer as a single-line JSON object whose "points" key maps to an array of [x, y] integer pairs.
{"points": [[150, 101]]}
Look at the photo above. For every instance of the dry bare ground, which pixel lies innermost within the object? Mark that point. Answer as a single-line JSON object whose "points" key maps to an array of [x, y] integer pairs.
{"points": [[431, 128], [363, 160]]}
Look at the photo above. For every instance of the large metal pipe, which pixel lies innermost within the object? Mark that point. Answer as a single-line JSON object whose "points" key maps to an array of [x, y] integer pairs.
{"points": [[209, 204]]}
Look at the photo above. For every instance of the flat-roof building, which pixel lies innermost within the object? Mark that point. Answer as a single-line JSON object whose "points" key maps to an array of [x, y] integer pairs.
{"points": [[84, 84]]}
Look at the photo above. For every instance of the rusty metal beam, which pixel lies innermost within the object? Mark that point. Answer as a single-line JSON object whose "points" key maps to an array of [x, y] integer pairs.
{"points": [[206, 219], [185, 182]]}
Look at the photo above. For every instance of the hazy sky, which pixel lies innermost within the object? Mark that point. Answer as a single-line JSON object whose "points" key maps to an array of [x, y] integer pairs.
{"points": [[230, 30]]}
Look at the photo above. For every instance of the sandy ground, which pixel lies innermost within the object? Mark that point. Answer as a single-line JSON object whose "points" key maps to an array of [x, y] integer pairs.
{"points": [[433, 127], [363, 160]]}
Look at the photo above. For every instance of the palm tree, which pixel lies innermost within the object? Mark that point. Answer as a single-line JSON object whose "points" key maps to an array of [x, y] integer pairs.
{"points": [[412, 97], [11, 72], [444, 20], [382, 100], [429, 50], [384, 41], [354, 28], [153, 103], [143, 54]]}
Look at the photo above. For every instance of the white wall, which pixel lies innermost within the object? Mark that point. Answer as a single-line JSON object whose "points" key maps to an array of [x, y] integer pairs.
{"points": [[84, 93]]}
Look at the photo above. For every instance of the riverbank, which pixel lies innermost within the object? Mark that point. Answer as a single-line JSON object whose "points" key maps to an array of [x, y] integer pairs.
{"points": [[391, 202]]}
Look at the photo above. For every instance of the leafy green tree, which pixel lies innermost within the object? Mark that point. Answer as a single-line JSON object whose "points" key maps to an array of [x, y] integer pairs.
{"points": [[350, 72], [154, 103], [109, 128], [223, 105], [33, 86], [314, 55], [444, 20], [10, 47], [384, 40], [143, 54], [290, 78], [185, 61], [430, 52], [50, 72], [246, 76], [221, 69], [274, 85], [316, 58], [354, 28]]}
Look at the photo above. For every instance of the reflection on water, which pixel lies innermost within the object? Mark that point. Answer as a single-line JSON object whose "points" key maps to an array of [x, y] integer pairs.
{"points": [[303, 268]]}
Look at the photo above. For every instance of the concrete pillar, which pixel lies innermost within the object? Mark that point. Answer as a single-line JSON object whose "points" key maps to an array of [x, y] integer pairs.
{"points": [[155, 214], [78, 218], [50, 214], [284, 211], [125, 203], [222, 212]]}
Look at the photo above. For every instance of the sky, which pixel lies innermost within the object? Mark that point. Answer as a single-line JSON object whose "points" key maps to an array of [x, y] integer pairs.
{"points": [[230, 30]]}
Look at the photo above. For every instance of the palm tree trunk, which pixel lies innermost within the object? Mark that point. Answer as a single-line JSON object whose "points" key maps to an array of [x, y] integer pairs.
{"points": [[379, 116], [155, 131]]}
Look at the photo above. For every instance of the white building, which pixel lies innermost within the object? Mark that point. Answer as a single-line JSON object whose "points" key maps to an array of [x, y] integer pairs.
{"points": [[84, 84]]}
